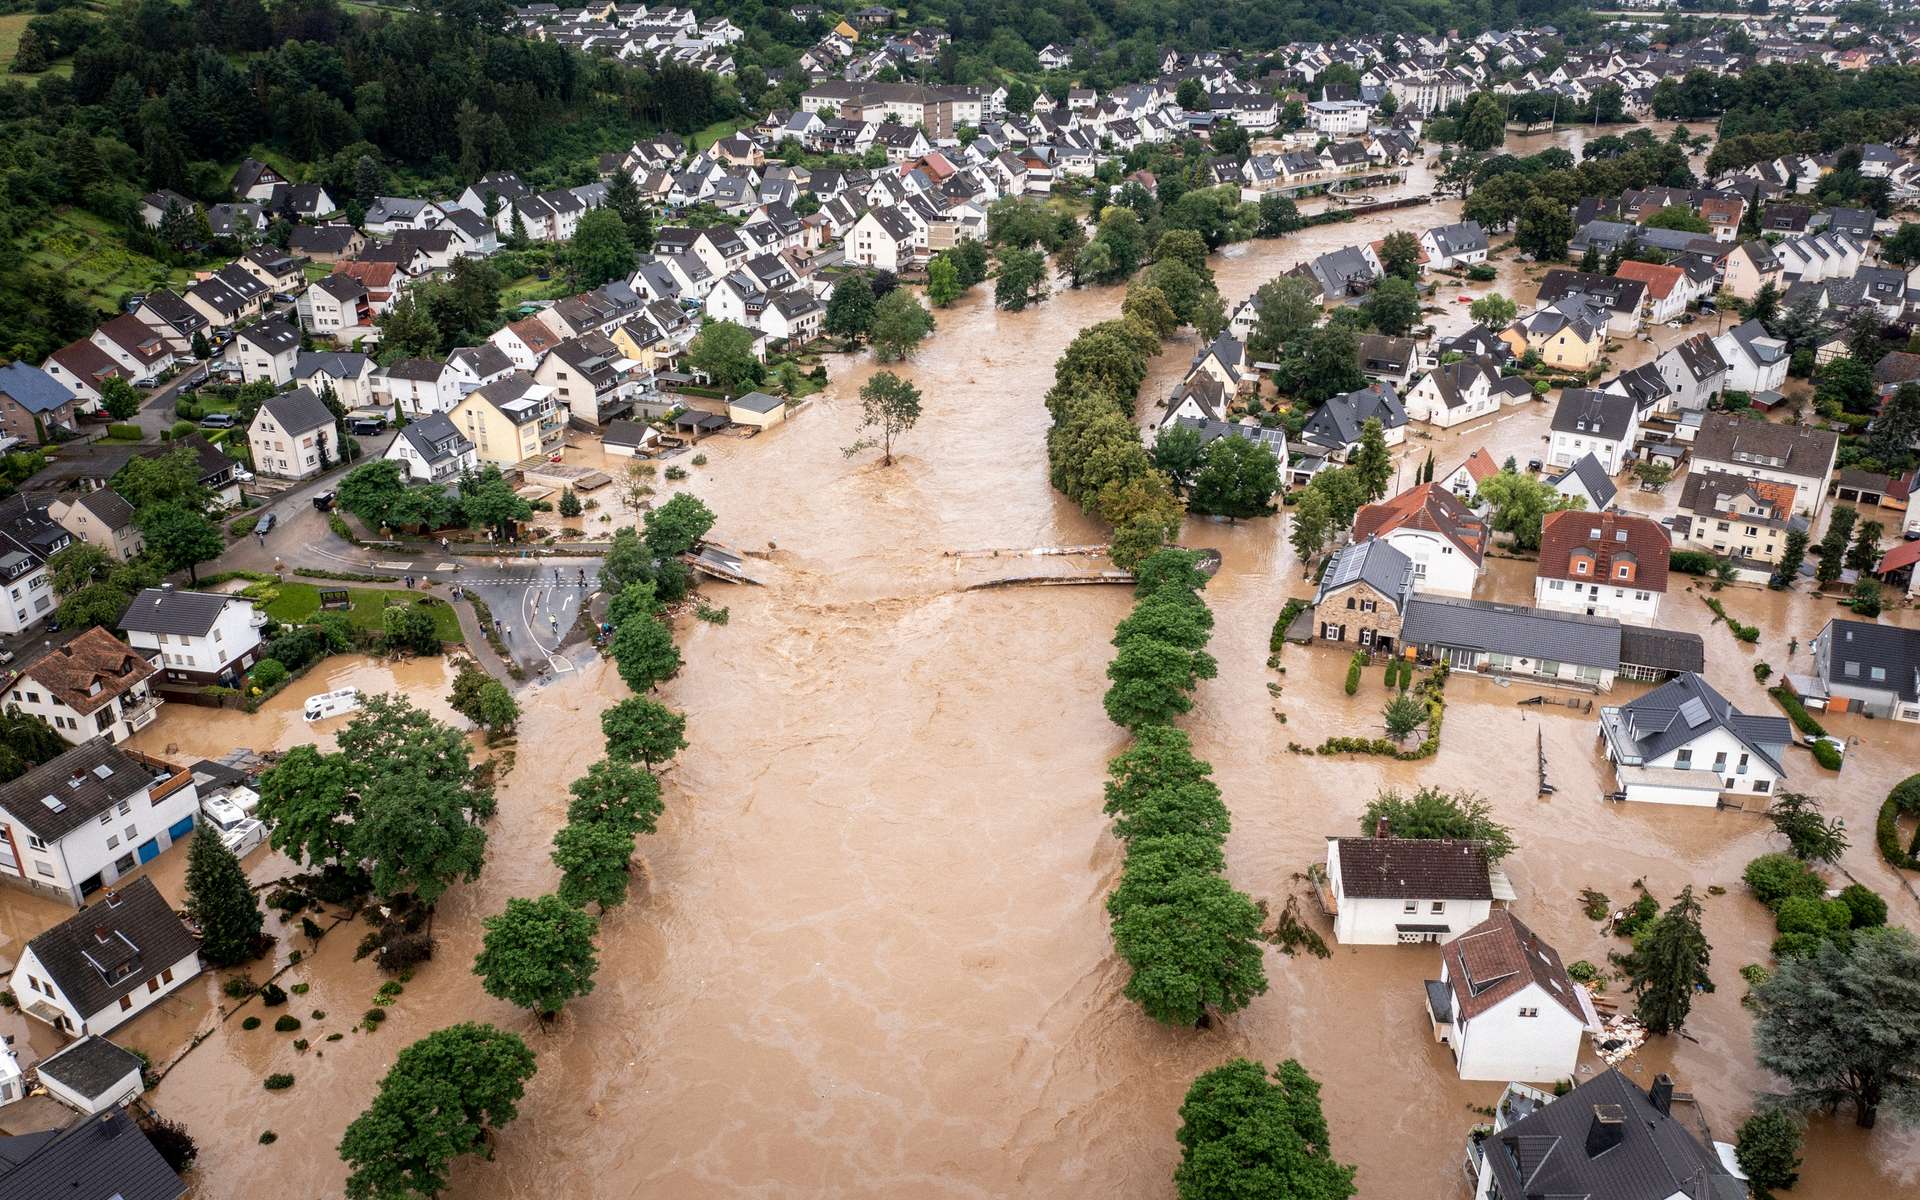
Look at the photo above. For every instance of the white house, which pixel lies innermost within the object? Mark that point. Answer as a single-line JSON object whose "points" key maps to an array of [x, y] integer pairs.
{"points": [[418, 387], [198, 638], [433, 449], [1338, 118], [93, 686], [882, 238], [293, 436], [1602, 564], [1694, 373], [1684, 743], [1506, 1006], [267, 352], [1454, 393], [1756, 360], [1386, 891], [107, 963], [348, 374], [83, 819], [1597, 423], [1459, 245], [92, 1075], [1438, 533]]}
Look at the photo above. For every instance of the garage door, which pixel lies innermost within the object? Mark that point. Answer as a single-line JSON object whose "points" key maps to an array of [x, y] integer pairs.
{"points": [[181, 828]]}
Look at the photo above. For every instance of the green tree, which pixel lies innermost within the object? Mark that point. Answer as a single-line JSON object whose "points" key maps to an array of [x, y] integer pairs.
{"points": [[1494, 311], [677, 526], [1433, 813], [1245, 1134], [1284, 309], [1793, 552], [1186, 246], [723, 352], [490, 502], [119, 398], [644, 653], [1668, 964], [305, 801], [1841, 1024], [644, 731], [1392, 307], [372, 490], [595, 863], [1903, 248], [1238, 479], [600, 251], [1153, 681], [1019, 278], [890, 405], [1179, 453], [482, 699], [1864, 554], [1403, 714], [851, 306], [1519, 503], [1148, 305], [1812, 837], [415, 821], [170, 478], [971, 262], [570, 505], [1191, 95], [1320, 365], [943, 281], [410, 627], [1483, 124], [446, 1095], [538, 954], [178, 536], [1312, 523], [618, 795], [1279, 215], [624, 201], [1192, 941], [26, 741], [1768, 1151], [1897, 428], [899, 325], [1680, 217], [1845, 385], [407, 329], [220, 902], [1372, 461], [1400, 255], [1544, 229]]}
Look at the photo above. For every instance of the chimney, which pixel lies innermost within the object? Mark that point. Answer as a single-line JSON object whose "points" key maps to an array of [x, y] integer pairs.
{"points": [[166, 587], [1380, 828], [1661, 1094], [1609, 1128], [101, 933]]}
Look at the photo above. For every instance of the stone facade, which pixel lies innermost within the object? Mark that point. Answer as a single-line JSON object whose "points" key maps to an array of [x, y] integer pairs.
{"points": [[1359, 614]]}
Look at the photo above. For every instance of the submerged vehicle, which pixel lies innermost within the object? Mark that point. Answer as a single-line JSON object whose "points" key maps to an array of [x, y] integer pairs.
{"points": [[332, 704]]}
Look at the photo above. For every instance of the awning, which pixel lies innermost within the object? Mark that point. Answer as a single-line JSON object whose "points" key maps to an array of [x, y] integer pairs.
{"points": [[1424, 928], [1439, 1002], [1500, 885], [41, 1010]]}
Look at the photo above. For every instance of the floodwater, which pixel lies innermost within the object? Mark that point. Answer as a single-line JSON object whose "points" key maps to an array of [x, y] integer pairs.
{"points": [[869, 955]]}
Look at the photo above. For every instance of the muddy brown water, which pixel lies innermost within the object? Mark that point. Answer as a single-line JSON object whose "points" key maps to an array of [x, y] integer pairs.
{"points": [[868, 956]]}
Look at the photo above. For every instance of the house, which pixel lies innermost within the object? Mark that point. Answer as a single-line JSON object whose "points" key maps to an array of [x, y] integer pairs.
{"points": [[1750, 266], [1339, 118], [1224, 360], [757, 409], [1792, 454], [93, 686], [338, 307], [347, 374], [175, 318], [293, 436], [1568, 334], [1816, 257], [1621, 297], [1363, 594], [137, 347], [1454, 393], [1506, 1007], [102, 517], [1606, 1139], [625, 439], [1863, 667], [106, 1153], [1756, 360], [227, 297], [1336, 426], [1693, 373], [254, 180], [1464, 480], [83, 369], [1739, 518], [156, 206], [1449, 247], [591, 378], [1597, 423], [1684, 743], [28, 538], [1512, 639], [1385, 890], [1386, 359], [33, 404], [197, 639], [267, 352], [1446, 543], [92, 1075], [280, 271], [433, 449], [1665, 287], [511, 419], [1587, 481], [883, 238], [108, 962], [1603, 564], [326, 243], [89, 816]]}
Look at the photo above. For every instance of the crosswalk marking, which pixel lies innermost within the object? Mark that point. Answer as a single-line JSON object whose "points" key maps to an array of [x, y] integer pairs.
{"points": [[446, 567], [395, 566]]}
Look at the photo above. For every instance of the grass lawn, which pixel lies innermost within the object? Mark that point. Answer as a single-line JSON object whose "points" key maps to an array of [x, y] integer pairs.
{"points": [[92, 256], [719, 129], [531, 287], [296, 602]]}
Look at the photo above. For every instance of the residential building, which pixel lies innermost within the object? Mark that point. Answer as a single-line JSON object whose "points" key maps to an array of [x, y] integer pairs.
{"points": [[1684, 743], [91, 1075], [1464, 480], [1597, 423], [1363, 595], [1665, 285], [1506, 1007], [136, 347], [1511, 639], [511, 419], [83, 369], [108, 962], [592, 379], [101, 517], [93, 686], [1792, 454], [1863, 667], [433, 449], [1756, 360], [293, 436], [1568, 334], [335, 306], [1385, 890], [1452, 246], [1693, 372], [1336, 426], [1752, 265], [80, 821], [1444, 540], [1621, 297], [418, 387], [28, 538], [33, 404], [107, 1153], [267, 352], [197, 639], [1587, 481], [885, 239], [1383, 359], [1457, 392], [1602, 564], [1739, 518], [1339, 118]]}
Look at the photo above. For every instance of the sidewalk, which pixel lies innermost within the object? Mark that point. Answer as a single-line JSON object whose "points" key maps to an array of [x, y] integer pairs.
{"points": [[478, 646]]}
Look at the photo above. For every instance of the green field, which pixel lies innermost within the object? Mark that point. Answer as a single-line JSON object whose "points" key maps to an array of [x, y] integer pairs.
{"points": [[92, 256], [12, 25], [719, 129], [294, 603]]}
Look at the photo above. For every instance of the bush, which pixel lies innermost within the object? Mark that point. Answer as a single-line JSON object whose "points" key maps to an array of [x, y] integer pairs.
{"points": [[268, 1137], [1288, 612], [237, 987], [173, 1142], [1796, 711], [124, 433], [1867, 907], [1777, 877], [286, 1023], [404, 950], [1762, 672], [1482, 273], [1582, 971], [273, 994], [1812, 914], [1827, 755], [250, 1023], [278, 1082], [1353, 672], [1644, 912], [1796, 945], [374, 1016], [268, 674], [1690, 562]]}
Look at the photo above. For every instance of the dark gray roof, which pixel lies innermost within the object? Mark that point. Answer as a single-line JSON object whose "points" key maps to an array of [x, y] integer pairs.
{"points": [[88, 1067], [1211, 430], [1380, 565], [274, 337], [157, 610], [141, 937], [1662, 649], [1894, 650], [1596, 414], [623, 433], [104, 1157], [109, 507], [1554, 1151], [66, 792], [1393, 868], [1512, 629], [1593, 478], [435, 438], [1337, 423], [298, 411], [757, 402], [1685, 708]]}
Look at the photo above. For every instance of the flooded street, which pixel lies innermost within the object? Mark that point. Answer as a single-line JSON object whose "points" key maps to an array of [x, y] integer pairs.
{"points": [[869, 957]]}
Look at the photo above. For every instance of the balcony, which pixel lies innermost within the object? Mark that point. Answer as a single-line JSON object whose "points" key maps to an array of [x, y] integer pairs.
{"points": [[139, 713]]}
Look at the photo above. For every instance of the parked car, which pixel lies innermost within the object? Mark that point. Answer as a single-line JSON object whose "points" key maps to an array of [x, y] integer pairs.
{"points": [[367, 426], [6, 656], [323, 501], [265, 524], [243, 475], [218, 420]]}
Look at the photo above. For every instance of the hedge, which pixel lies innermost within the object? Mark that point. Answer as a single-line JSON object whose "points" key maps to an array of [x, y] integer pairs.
{"points": [[1796, 711], [1288, 612], [1430, 690], [1904, 799], [1745, 633], [1826, 755], [1690, 562]]}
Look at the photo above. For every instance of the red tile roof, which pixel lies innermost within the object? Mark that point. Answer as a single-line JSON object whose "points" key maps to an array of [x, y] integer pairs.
{"points": [[1904, 555], [1480, 465], [1605, 542], [1497, 959], [95, 657], [1660, 279], [1430, 507]]}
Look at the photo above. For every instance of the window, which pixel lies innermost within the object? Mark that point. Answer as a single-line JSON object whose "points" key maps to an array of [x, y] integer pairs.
{"points": [[106, 818], [1683, 760], [45, 869], [1439, 906], [1529, 1012], [1411, 906], [1878, 674], [153, 985], [132, 833], [123, 808], [1720, 763], [126, 1002], [166, 976], [113, 841], [34, 843], [1852, 670], [1740, 768]]}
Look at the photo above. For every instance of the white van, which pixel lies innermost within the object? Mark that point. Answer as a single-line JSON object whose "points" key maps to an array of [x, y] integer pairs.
{"points": [[224, 819], [332, 704]]}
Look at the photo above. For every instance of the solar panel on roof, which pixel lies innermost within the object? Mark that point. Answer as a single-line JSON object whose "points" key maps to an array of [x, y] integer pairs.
{"points": [[1694, 713]]}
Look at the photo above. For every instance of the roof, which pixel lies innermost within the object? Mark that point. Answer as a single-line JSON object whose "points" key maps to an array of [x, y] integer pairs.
{"points": [[1594, 414], [1429, 507], [1659, 278], [31, 388], [435, 438], [1895, 651], [1789, 449], [1394, 868], [1610, 540], [1499, 958], [162, 610], [113, 946], [108, 507], [298, 411], [1685, 708], [758, 402], [1705, 489], [1376, 563], [103, 1157], [274, 337], [89, 1067], [1514, 629], [1480, 465], [624, 433], [66, 792], [1337, 423], [89, 671], [1554, 1152], [1662, 649], [1592, 478]]}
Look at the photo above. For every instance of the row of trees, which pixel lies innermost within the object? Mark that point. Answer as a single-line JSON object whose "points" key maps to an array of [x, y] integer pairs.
{"points": [[383, 496], [1328, 505]]}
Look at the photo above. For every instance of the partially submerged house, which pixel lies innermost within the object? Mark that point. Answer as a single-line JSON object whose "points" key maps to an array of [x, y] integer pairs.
{"points": [[1385, 890], [1685, 743], [107, 962], [1506, 1007]]}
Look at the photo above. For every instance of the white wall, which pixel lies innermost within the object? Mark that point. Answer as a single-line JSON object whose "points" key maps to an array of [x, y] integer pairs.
{"points": [[1440, 568], [29, 601], [1363, 922], [113, 1016], [1632, 604], [1501, 1044], [97, 846]]}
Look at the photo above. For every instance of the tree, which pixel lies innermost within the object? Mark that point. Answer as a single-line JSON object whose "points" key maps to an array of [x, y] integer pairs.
{"points": [[1238, 478], [221, 903], [1768, 1151], [900, 323], [1019, 278], [1494, 311], [482, 699], [1667, 964], [624, 201], [570, 505], [1841, 1024], [1284, 309], [1864, 554], [1403, 714], [1793, 552], [601, 250], [1192, 941], [1903, 248], [1153, 681], [538, 954], [1400, 255], [409, 627], [594, 859], [1483, 125], [891, 405], [1323, 364], [1245, 1134], [490, 502], [851, 305], [119, 398], [1311, 525], [1184, 246], [1433, 813], [943, 281], [1148, 305], [1372, 461], [1279, 215], [1680, 217], [180, 537], [444, 1097], [1544, 229], [723, 352], [304, 802], [1392, 307], [677, 526], [618, 795], [415, 818], [1520, 502], [1897, 428], [26, 741], [1179, 453], [644, 731], [371, 490], [970, 262], [1191, 95], [643, 652]]}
